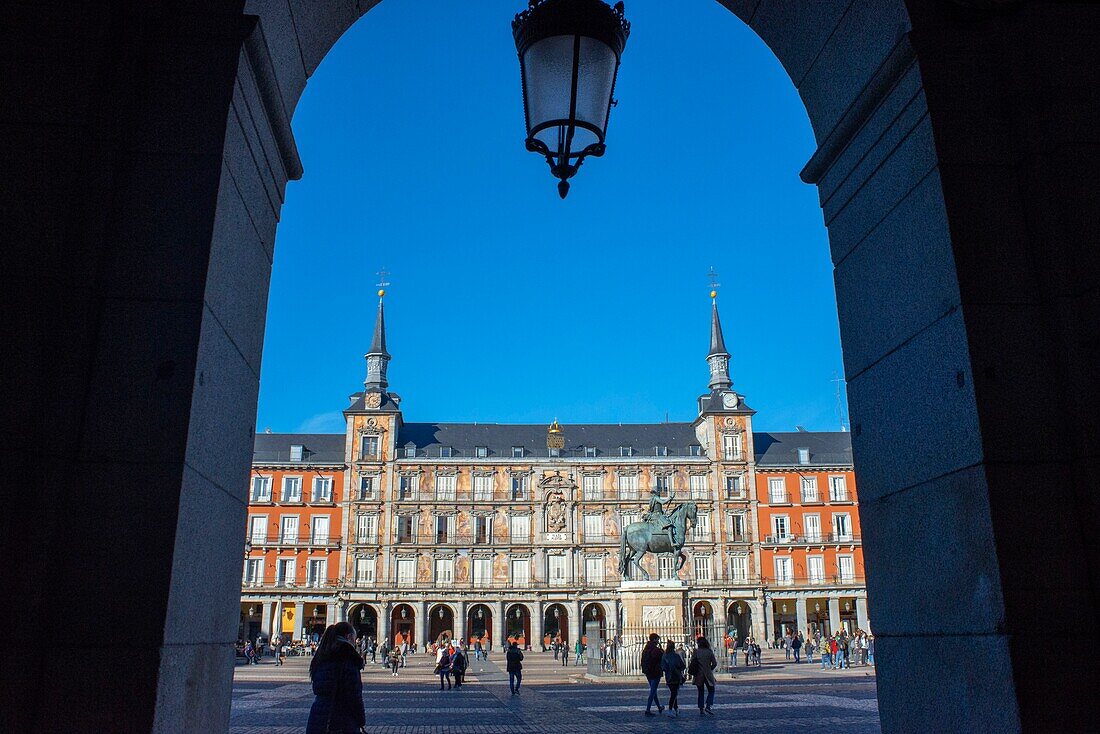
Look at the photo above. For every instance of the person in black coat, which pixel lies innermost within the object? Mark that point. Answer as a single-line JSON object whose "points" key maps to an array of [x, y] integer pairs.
{"points": [[337, 684], [651, 669], [514, 668]]}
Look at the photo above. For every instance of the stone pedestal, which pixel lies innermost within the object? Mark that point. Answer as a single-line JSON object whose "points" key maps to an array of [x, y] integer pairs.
{"points": [[656, 604]]}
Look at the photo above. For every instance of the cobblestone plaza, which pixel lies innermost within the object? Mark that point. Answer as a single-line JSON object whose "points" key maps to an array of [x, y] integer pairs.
{"points": [[777, 697]]}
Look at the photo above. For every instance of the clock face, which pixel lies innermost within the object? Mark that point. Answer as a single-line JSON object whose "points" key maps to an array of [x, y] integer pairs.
{"points": [[373, 400], [729, 400]]}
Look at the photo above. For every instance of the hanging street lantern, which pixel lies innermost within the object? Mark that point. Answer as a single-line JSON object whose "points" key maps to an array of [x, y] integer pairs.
{"points": [[569, 53]]}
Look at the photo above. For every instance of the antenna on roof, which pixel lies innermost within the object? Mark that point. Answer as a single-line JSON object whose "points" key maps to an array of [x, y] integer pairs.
{"points": [[267, 430], [800, 429], [837, 379]]}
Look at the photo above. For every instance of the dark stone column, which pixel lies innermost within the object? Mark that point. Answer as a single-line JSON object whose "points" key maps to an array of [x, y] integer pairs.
{"points": [[126, 470]]}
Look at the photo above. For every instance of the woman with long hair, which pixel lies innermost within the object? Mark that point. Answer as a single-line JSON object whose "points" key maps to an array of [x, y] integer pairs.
{"points": [[701, 668], [337, 684]]}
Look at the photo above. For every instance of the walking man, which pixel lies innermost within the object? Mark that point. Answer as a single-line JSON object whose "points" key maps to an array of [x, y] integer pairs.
{"points": [[651, 669], [514, 666], [580, 652]]}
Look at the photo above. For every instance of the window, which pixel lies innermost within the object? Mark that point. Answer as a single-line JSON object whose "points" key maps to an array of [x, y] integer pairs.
{"points": [[593, 489], [368, 447], [520, 528], [842, 526], [292, 489], [289, 530], [808, 485], [739, 568], [317, 572], [296, 452], [483, 571], [627, 519], [521, 572], [697, 483], [519, 486], [784, 573], [483, 530], [803, 456], [366, 529], [593, 570], [517, 452], [590, 452], [702, 568], [812, 525], [407, 487], [554, 452], [481, 452], [695, 450], [781, 528], [322, 489], [664, 483], [777, 490], [660, 450], [284, 572], [257, 529], [445, 529], [557, 573], [838, 489], [445, 452], [253, 572], [261, 489], [483, 488], [735, 486], [626, 451], [445, 487], [815, 567], [738, 532], [366, 488], [593, 527], [364, 571], [406, 571], [628, 487], [410, 451], [700, 533], [405, 528], [666, 566], [444, 570], [846, 567], [319, 530], [731, 447]]}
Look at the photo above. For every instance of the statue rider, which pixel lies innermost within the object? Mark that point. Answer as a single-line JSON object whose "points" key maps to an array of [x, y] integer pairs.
{"points": [[656, 514]]}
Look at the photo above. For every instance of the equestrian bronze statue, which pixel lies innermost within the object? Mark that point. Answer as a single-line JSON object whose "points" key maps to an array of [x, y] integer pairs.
{"points": [[659, 532]]}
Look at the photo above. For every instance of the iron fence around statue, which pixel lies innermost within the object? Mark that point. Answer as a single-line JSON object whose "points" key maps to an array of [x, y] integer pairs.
{"points": [[621, 653]]}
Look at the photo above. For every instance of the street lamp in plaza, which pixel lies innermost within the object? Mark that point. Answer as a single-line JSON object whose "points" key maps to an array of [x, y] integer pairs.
{"points": [[569, 53]]}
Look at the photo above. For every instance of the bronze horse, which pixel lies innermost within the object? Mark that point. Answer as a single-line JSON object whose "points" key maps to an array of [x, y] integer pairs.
{"points": [[640, 538]]}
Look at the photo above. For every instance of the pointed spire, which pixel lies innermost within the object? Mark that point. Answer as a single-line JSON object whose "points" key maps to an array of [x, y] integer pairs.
{"points": [[718, 358], [378, 358]]}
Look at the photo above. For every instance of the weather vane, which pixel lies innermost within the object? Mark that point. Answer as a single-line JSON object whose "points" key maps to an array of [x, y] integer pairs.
{"points": [[714, 284], [382, 282]]}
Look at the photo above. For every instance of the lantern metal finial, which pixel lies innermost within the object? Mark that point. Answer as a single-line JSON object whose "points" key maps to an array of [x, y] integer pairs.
{"points": [[569, 53]]}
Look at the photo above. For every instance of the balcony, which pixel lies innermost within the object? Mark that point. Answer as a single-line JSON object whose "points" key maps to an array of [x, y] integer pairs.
{"points": [[816, 539], [292, 541], [739, 538], [779, 498], [302, 584], [814, 581]]}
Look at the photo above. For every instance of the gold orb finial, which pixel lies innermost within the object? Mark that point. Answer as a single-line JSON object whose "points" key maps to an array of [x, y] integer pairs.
{"points": [[381, 293], [714, 294]]}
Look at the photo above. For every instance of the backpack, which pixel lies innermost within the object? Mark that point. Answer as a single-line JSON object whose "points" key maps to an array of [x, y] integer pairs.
{"points": [[693, 667]]}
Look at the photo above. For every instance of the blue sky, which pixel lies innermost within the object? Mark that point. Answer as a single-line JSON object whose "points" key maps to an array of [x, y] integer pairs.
{"points": [[508, 304]]}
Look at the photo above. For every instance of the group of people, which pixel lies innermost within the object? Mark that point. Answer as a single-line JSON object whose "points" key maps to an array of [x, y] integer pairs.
{"points": [[560, 649], [450, 662], [748, 648], [837, 651], [675, 667], [253, 652]]}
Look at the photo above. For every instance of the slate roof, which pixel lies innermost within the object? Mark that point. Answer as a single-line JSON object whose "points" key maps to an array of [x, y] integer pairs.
{"points": [[827, 448], [499, 438], [318, 448]]}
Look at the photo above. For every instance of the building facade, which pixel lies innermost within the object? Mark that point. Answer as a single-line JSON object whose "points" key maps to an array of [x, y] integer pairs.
{"points": [[414, 530]]}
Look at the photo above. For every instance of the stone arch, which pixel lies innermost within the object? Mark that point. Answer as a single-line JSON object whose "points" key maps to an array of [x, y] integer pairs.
{"points": [[930, 174]]}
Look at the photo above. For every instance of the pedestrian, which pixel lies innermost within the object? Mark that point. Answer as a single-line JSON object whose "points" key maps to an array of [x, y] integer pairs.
{"points": [[810, 642], [249, 653], [796, 647], [556, 647], [443, 666], [756, 653], [514, 666], [395, 660], [871, 649], [337, 684], [826, 654], [673, 667], [842, 652], [477, 649], [372, 646], [404, 653], [787, 644], [564, 653], [651, 669], [458, 665], [701, 669], [733, 652], [580, 652]]}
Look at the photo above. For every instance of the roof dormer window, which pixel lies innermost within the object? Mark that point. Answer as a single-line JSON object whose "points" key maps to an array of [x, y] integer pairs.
{"points": [[445, 452], [803, 456], [410, 450], [296, 452], [626, 451], [481, 452], [660, 450], [695, 450], [590, 452], [517, 452]]}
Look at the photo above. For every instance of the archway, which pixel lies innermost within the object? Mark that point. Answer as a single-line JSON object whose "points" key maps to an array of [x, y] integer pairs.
{"points": [[594, 612], [517, 625], [251, 621], [313, 626], [364, 617], [955, 216], [784, 618], [479, 624], [555, 625], [441, 622], [739, 620], [402, 624]]}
